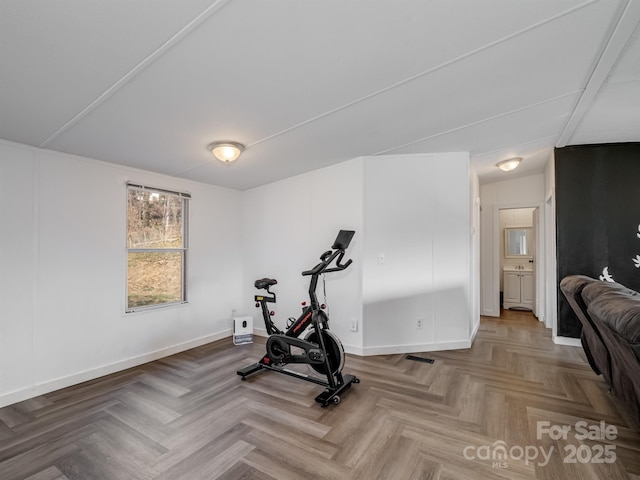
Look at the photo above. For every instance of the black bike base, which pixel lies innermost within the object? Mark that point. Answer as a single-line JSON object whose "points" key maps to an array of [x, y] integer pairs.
{"points": [[333, 395], [330, 395]]}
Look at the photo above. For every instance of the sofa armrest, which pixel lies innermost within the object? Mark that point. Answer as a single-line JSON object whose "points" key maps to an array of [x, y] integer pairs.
{"points": [[617, 307]]}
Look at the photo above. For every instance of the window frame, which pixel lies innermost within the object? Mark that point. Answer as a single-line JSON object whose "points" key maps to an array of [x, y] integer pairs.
{"points": [[184, 197]]}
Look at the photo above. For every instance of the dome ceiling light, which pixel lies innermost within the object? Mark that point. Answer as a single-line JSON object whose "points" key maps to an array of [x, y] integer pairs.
{"points": [[226, 152], [509, 164]]}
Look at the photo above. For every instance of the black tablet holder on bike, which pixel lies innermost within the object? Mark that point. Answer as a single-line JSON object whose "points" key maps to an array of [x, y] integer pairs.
{"points": [[320, 348]]}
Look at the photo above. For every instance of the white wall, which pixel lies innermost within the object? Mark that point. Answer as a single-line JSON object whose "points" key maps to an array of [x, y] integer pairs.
{"points": [[17, 269], [63, 261], [416, 215], [287, 226], [412, 208], [63, 264], [517, 193]]}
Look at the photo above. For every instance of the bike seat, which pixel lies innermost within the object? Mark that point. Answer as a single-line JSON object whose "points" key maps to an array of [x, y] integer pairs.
{"points": [[265, 282]]}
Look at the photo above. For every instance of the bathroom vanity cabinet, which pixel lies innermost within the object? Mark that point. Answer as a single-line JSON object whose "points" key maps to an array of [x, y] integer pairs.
{"points": [[518, 288]]}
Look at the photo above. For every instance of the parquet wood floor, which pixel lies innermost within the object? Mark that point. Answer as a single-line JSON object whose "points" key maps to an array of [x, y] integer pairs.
{"points": [[189, 416]]}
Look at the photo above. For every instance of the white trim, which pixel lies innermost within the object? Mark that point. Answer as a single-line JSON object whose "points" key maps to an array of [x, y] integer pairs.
{"points": [[63, 382], [568, 341], [618, 39], [351, 349], [548, 196], [391, 349], [550, 267], [540, 252], [416, 348], [184, 198], [261, 332], [36, 243], [354, 350], [137, 69], [475, 331]]}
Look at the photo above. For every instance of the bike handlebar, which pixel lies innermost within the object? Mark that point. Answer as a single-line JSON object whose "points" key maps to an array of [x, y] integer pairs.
{"points": [[339, 267], [338, 249], [327, 258]]}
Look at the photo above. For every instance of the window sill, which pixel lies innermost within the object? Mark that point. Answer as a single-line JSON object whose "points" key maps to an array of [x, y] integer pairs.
{"points": [[154, 308]]}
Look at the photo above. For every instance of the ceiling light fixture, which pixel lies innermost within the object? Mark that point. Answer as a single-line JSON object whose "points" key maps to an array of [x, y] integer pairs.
{"points": [[226, 152], [509, 164]]}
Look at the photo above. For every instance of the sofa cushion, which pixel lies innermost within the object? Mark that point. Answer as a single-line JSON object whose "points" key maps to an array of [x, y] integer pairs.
{"points": [[574, 284], [597, 288], [617, 307]]}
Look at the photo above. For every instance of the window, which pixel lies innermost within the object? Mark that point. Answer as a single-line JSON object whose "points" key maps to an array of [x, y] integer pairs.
{"points": [[156, 247]]}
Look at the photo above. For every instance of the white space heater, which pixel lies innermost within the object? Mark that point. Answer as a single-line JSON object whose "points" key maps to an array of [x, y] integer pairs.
{"points": [[242, 330]]}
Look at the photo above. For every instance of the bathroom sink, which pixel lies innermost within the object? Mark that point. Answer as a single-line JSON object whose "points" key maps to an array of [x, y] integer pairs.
{"points": [[517, 268]]}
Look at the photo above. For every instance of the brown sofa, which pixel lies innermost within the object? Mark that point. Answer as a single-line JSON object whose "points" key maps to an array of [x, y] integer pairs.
{"points": [[610, 317], [595, 349]]}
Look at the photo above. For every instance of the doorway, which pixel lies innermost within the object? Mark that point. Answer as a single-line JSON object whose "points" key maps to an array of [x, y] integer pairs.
{"points": [[518, 258]]}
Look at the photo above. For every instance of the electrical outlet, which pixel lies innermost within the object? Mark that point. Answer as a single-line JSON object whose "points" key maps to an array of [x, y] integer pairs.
{"points": [[419, 323], [354, 325]]}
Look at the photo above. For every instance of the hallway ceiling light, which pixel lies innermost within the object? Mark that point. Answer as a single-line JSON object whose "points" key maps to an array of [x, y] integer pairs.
{"points": [[509, 164], [226, 152]]}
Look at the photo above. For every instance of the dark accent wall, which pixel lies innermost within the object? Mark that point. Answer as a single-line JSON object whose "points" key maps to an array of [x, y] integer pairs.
{"points": [[597, 218]]}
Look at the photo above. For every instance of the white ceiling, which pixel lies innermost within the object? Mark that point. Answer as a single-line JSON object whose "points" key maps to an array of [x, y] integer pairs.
{"points": [[307, 84]]}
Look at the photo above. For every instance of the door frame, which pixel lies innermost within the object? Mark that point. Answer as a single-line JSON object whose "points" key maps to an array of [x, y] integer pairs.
{"points": [[538, 264]]}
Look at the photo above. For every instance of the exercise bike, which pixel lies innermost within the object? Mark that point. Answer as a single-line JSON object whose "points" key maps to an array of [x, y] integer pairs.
{"points": [[320, 348]]}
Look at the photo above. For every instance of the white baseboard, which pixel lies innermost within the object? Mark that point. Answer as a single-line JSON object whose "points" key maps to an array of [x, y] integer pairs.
{"points": [[353, 350], [391, 349], [476, 327], [261, 332], [571, 342], [416, 348], [76, 378]]}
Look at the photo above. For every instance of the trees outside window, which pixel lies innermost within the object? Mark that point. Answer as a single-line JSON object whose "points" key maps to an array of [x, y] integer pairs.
{"points": [[156, 247]]}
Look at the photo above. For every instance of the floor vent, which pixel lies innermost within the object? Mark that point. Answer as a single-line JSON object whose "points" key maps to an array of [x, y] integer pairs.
{"points": [[420, 359]]}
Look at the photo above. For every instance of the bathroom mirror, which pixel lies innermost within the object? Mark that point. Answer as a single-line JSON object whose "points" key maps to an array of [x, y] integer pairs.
{"points": [[517, 242]]}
